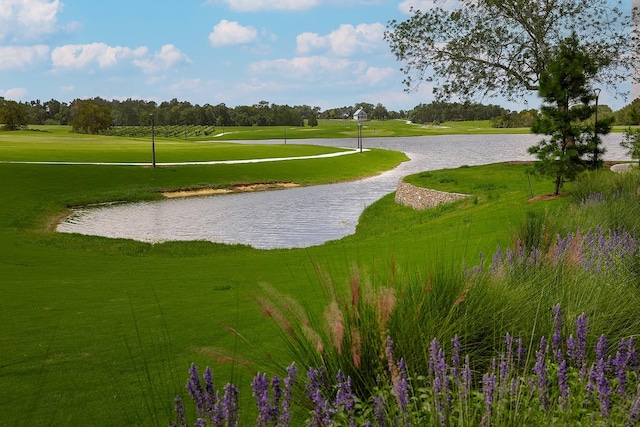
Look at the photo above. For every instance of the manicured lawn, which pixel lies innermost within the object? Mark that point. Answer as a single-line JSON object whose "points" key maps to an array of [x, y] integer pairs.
{"points": [[96, 331]]}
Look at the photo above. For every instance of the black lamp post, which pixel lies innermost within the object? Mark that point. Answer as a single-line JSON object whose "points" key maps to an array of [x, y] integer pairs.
{"points": [[596, 92], [153, 141]]}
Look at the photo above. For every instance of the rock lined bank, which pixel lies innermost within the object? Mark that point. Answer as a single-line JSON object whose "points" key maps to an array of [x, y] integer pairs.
{"points": [[423, 198]]}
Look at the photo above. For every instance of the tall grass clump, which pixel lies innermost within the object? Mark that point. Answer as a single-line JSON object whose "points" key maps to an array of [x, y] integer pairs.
{"points": [[563, 378], [605, 199], [437, 346]]}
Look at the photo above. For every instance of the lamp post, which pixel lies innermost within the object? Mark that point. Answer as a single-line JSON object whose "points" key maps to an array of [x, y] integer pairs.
{"points": [[596, 92], [153, 141], [360, 136]]}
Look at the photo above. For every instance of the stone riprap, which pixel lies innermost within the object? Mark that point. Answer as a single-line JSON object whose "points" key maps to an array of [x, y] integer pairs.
{"points": [[423, 198]]}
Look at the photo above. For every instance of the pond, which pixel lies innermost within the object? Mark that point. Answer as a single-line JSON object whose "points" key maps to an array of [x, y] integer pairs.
{"points": [[303, 216]]}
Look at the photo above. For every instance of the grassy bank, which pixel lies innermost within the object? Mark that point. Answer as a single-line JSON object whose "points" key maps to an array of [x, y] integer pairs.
{"points": [[95, 331]]}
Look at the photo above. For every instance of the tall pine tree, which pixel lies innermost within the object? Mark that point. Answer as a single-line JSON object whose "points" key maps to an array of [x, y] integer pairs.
{"points": [[566, 94]]}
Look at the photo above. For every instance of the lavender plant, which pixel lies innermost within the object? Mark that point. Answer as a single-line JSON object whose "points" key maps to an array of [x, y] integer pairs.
{"points": [[513, 391]]}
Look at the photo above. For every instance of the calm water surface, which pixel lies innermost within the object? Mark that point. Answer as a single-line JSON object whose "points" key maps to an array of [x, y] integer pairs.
{"points": [[299, 217]]}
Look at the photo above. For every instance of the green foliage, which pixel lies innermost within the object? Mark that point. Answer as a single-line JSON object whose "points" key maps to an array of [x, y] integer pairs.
{"points": [[502, 47], [13, 115], [564, 87], [89, 116], [514, 119], [439, 112], [630, 114], [586, 271], [631, 142]]}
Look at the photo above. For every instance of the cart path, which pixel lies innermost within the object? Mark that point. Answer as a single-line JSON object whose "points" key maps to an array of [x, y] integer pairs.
{"points": [[211, 162]]}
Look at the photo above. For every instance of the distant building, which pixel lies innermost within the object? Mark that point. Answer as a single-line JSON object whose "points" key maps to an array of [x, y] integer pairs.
{"points": [[360, 115]]}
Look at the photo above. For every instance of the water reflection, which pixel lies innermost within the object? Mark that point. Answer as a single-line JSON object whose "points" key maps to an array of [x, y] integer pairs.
{"points": [[304, 216]]}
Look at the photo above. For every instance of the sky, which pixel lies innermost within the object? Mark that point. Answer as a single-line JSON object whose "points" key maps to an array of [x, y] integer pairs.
{"points": [[324, 53]]}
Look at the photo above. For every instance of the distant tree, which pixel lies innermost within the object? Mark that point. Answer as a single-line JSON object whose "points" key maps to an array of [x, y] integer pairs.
{"points": [[89, 116], [564, 87], [501, 47], [631, 142], [630, 114], [13, 115], [379, 112], [312, 121]]}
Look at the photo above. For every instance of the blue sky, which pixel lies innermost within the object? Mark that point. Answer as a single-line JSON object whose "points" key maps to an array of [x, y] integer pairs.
{"points": [[325, 53]]}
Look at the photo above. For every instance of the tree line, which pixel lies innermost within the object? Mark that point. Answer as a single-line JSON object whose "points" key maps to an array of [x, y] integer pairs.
{"points": [[97, 114]]}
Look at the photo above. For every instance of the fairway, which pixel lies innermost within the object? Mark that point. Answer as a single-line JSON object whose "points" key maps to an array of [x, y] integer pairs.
{"points": [[95, 331]]}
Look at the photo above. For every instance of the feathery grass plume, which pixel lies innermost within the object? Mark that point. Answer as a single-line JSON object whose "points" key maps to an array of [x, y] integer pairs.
{"points": [[385, 304], [356, 287], [356, 347], [335, 325]]}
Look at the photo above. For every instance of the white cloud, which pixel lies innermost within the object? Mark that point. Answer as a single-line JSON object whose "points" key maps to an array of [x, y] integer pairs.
{"points": [[229, 33], [262, 5], [21, 56], [307, 42], [374, 75], [424, 5], [14, 94], [344, 41], [77, 56], [308, 68], [168, 56], [28, 19]]}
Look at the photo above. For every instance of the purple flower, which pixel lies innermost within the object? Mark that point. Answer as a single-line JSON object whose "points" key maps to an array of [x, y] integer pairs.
{"points": [[455, 359], [317, 390], [540, 370], [401, 386], [195, 389], [230, 405], [260, 386], [379, 410], [344, 396], [634, 411], [577, 347], [488, 391], [621, 365], [556, 340], [287, 393], [182, 422], [563, 384], [467, 377]]}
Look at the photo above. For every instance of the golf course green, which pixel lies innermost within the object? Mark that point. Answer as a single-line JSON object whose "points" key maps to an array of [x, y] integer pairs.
{"points": [[97, 331]]}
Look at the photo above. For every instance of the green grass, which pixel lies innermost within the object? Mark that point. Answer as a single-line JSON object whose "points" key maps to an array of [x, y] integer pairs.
{"points": [[325, 129], [95, 331]]}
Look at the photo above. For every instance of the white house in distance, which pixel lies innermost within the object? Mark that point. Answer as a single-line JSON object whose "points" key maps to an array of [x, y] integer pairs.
{"points": [[360, 115]]}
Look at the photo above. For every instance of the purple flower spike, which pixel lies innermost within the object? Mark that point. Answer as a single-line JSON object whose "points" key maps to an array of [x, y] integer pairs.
{"points": [[379, 410], [195, 389], [556, 340], [182, 422], [316, 390], [345, 397], [540, 370], [230, 405], [287, 394], [260, 386], [455, 359]]}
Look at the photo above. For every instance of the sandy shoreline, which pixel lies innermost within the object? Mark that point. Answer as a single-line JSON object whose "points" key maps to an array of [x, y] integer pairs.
{"points": [[238, 188]]}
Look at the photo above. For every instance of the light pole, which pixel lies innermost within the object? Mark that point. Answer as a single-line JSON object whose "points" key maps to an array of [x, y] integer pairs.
{"points": [[153, 140], [596, 92], [360, 136]]}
